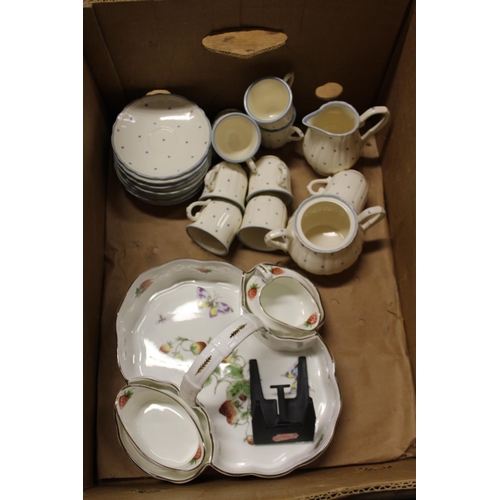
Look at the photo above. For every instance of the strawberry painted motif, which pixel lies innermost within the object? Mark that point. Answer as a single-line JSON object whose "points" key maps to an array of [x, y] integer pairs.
{"points": [[252, 291], [123, 399], [229, 411], [197, 455], [311, 320], [249, 439], [197, 347], [277, 270], [166, 348], [203, 270], [143, 287]]}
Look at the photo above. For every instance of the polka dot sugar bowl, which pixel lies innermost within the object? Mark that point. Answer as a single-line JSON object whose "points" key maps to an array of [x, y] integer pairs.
{"points": [[162, 145]]}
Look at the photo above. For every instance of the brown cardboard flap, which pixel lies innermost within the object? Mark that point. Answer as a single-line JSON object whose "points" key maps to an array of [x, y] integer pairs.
{"points": [[95, 156], [364, 326], [322, 484], [158, 45], [399, 168]]}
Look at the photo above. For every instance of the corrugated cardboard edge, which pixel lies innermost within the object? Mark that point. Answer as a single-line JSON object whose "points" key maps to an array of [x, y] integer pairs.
{"points": [[320, 484]]}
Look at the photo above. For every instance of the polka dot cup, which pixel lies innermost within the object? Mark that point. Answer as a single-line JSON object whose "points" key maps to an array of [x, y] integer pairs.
{"points": [[333, 141], [263, 213], [214, 226], [349, 185], [226, 181], [271, 176]]}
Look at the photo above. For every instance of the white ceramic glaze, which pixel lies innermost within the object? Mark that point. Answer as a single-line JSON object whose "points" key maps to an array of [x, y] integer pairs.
{"points": [[154, 469], [349, 185], [215, 225], [161, 136], [325, 235], [262, 213], [275, 139], [170, 314], [269, 100], [236, 138], [271, 176], [226, 181], [333, 142], [160, 427], [287, 302], [215, 353]]}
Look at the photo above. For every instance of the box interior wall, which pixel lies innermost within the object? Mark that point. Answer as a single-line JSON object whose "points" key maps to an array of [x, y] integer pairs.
{"points": [[133, 47]]}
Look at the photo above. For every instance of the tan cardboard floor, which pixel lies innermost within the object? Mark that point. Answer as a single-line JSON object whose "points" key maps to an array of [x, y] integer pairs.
{"points": [[364, 328]]}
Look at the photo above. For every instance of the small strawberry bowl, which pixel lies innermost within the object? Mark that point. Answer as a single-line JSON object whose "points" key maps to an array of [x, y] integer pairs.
{"points": [[160, 426], [287, 303]]}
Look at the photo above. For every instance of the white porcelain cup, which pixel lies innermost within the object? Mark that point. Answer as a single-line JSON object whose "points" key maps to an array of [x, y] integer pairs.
{"points": [[271, 176], [215, 225], [215, 352], [350, 185], [275, 139], [227, 181], [269, 100], [236, 138], [263, 213]]}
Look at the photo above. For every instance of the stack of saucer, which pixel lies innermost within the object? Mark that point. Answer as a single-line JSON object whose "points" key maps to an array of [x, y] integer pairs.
{"points": [[162, 145]]}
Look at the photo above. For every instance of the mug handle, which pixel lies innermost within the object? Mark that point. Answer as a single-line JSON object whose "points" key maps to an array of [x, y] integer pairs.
{"points": [[272, 237], [189, 209], [317, 181], [251, 165], [211, 176], [282, 179], [289, 78], [376, 110], [295, 130], [370, 216], [214, 354]]}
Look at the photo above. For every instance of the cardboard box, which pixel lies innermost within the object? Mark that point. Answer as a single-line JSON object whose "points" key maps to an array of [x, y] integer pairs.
{"points": [[368, 46]]}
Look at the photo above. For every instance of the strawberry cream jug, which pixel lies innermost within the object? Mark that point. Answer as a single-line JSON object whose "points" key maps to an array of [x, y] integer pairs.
{"points": [[333, 142]]}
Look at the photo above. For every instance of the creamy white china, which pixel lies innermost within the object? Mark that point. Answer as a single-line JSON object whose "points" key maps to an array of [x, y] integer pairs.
{"points": [[349, 185], [215, 225], [262, 213], [333, 142], [169, 316], [160, 427], [161, 135], [271, 176], [288, 303], [226, 181], [160, 472], [275, 139], [325, 235], [269, 100], [215, 353], [236, 138]]}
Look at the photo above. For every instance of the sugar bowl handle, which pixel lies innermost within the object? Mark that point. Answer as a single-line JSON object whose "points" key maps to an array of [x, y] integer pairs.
{"points": [[370, 216]]}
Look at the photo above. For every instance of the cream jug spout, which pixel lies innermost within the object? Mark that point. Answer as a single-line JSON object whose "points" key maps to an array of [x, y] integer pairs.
{"points": [[334, 118]]}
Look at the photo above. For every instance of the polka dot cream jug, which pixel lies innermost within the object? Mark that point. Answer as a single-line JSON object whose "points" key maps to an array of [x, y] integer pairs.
{"points": [[332, 142]]}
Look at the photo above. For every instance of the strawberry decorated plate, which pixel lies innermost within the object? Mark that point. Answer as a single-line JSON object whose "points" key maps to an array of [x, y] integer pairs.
{"points": [[170, 314]]}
